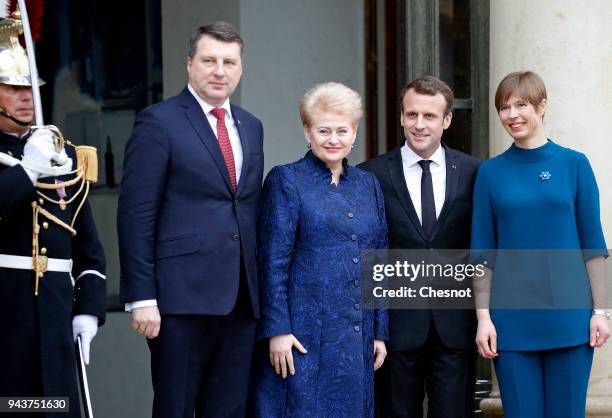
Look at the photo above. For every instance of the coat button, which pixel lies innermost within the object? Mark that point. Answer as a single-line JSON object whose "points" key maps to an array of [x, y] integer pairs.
{"points": [[41, 201], [356, 328], [356, 283], [46, 225], [354, 237], [235, 237], [43, 251], [350, 215], [357, 307], [355, 260]]}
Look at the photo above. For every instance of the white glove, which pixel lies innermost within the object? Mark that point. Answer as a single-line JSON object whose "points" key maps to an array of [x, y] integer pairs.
{"points": [[87, 327], [38, 152], [61, 158]]}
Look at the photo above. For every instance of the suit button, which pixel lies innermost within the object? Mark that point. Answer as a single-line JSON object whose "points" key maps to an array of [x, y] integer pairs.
{"points": [[45, 225], [356, 328], [356, 283], [354, 237], [235, 201], [357, 307], [355, 260], [350, 215], [235, 237], [43, 251]]}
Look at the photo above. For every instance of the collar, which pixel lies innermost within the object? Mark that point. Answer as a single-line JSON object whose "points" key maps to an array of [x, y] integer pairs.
{"points": [[321, 170], [13, 137], [533, 155], [207, 107], [410, 158]]}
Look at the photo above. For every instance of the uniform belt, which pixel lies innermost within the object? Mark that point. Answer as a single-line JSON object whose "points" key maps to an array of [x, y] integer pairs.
{"points": [[25, 263]]}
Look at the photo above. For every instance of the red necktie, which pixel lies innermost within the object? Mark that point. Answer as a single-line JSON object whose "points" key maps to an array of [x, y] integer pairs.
{"points": [[226, 145]]}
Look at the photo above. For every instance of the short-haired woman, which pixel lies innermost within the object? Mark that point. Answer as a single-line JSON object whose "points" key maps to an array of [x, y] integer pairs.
{"points": [[541, 197], [317, 214]]}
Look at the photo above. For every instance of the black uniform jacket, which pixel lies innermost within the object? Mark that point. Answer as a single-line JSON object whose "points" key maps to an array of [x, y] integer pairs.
{"points": [[37, 356]]}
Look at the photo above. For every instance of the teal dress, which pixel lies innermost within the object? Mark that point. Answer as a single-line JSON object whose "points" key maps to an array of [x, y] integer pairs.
{"points": [[539, 199], [539, 208]]}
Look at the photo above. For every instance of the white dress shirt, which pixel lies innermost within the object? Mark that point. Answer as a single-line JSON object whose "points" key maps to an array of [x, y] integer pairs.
{"points": [[236, 150], [412, 175]]}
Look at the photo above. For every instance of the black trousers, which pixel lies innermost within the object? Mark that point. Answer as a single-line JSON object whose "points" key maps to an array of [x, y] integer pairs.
{"points": [[201, 363], [37, 356], [447, 375]]}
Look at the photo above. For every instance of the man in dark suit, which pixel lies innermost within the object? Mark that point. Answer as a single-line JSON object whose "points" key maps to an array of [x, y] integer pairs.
{"points": [[187, 219], [428, 198]]}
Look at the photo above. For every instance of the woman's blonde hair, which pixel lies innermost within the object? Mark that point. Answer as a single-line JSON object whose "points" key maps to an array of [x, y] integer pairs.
{"points": [[330, 97]]}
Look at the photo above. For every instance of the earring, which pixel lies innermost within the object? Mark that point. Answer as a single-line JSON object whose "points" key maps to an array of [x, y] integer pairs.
{"points": [[308, 146], [352, 146]]}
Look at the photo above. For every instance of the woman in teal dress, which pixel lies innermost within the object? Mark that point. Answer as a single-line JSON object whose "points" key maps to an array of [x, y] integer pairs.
{"points": [[541, 197], [317, 215]]}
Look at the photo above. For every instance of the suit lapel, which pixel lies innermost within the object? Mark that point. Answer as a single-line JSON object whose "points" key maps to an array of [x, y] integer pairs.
{"points": [[452, 179], [396, 174], [200, 124], [244, 141]]}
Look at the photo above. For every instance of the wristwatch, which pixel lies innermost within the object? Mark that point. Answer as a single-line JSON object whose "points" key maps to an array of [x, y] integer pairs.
{"points": [[600, 312]]}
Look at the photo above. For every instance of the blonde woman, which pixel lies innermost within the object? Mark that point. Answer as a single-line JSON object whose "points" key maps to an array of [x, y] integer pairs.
{"points": [[317, 214]]}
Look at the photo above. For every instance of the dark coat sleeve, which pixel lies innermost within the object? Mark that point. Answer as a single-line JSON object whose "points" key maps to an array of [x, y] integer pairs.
{"points": [[381, 316], [89, 263], [142, 187], [89, 267], [276, 233]]}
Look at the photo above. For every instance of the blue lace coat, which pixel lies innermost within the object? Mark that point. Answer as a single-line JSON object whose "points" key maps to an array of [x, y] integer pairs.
{"points": [[309, 240]]}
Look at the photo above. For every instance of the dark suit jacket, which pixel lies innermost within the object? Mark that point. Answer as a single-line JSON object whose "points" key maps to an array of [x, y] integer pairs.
{"points": [[182, 231], [408, 329]]}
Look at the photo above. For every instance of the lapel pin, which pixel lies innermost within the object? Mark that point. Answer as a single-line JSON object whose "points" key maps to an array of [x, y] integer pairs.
{"points": [[454, 167], [545, 175]]}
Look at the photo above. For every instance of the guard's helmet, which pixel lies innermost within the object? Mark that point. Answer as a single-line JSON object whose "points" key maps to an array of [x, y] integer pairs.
{"points": [[14, 67]]}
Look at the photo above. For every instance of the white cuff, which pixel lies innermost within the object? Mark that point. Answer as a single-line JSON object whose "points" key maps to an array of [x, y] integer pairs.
{"points": [[129, 307], [94, 272]]}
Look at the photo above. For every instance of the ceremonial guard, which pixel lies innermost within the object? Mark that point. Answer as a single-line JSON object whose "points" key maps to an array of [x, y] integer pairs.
{"points": [[52, 282]]}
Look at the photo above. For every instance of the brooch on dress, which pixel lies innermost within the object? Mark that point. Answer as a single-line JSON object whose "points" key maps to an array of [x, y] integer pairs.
{"points": [[545, 175]]}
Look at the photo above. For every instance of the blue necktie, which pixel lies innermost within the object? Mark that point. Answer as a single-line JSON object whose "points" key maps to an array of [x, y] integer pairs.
{"points": [[428, 204]]}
